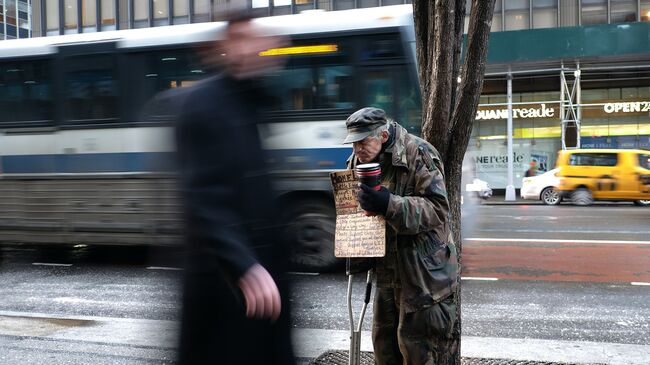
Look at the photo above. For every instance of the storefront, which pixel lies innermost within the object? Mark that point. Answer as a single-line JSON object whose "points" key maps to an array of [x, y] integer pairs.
{"points": [[610, 117]]}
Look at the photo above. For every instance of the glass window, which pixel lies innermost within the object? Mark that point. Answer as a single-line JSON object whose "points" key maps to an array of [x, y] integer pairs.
{"points": [[70, 14], [569, 11], [153, 72], [141, 14], [367, 3], [497, 21], [202, 10], [161, 8], [90, 88], [644, 161], [260, 3], [282, 3], [323, 81], [645, 10], [517, 14], [11, 8], [25, 92], [594, 12], [89, 12], [52, 18], [161, 12], [325, 4], [623, 11], [180, 8], [108, 12], [593, 159], [544, 13], [343, 4], [301, 5]]}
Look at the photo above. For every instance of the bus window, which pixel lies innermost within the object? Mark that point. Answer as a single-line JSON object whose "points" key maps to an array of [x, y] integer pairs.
{"points": [[148, 73], [378, 90], [409, 106], [25, 93], [90, 88], [314, 81]]}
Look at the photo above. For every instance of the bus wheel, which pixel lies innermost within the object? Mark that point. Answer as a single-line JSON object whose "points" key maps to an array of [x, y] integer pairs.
{"points": [[310, 232], [582, 197], [642, 203]]}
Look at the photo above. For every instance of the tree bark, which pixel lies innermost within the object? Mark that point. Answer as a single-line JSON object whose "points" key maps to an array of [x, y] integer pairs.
{"points": [[449, 107]]}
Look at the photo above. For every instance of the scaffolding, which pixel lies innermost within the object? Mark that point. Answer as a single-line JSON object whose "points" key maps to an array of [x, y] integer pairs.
{"points": [[570, 109]]}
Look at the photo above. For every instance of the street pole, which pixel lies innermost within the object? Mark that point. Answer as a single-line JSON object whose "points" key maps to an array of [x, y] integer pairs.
{"points": [[510, 188]]}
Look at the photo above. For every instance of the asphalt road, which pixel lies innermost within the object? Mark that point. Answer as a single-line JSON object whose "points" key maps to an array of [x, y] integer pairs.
{"points": [[568, 274], [603, 243]]}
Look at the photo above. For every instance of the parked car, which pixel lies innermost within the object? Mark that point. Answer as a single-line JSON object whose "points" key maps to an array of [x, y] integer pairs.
{"points": [[606, 174], [480, 188], [542, 187]]}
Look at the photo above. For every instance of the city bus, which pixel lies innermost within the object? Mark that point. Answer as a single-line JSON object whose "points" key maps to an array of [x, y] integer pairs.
{"points": [[83, 161]]}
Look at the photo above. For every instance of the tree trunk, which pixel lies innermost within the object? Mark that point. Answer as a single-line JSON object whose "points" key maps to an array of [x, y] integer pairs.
{"points": [[448, 104]]}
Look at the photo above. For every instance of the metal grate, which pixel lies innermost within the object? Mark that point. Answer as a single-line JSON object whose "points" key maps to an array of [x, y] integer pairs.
{"points": [[367, 358]]}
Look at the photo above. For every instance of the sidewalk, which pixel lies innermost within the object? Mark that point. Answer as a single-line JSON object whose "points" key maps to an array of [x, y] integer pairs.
{"points": [[311, 343], [155, 340]]}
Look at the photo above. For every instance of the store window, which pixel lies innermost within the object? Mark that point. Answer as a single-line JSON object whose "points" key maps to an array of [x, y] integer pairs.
{"points": [[497, 19], [623, 11], [544, 14], [594, 12], [569, 13], [517, 14], [645, 10], [108, 14]]}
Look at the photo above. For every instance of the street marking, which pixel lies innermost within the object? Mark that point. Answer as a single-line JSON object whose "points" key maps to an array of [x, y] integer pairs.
{"points": [[49, 264], [164, 268], [639, 283], [477, 278], [542, 240], [303, 273]]}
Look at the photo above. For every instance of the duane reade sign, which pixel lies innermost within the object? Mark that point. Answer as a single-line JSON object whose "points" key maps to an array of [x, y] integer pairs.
{"points": [[491, 114]]}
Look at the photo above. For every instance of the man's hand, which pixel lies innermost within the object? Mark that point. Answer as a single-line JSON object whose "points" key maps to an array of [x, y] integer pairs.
{"points": [[373, 201], [261, 294]]}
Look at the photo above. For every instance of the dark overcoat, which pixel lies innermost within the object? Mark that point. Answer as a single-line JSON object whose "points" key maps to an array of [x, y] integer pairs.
{"points": [[230, 226]]}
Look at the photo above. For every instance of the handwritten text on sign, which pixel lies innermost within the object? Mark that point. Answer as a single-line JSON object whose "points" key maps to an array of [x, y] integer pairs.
{"points": [[356, 235]]}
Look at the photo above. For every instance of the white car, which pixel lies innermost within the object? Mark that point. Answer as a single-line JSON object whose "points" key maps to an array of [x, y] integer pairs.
{"points": [[542, 187]]}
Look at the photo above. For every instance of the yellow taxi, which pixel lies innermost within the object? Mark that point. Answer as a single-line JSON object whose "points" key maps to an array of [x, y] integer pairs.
{"points": [[605, 174]]}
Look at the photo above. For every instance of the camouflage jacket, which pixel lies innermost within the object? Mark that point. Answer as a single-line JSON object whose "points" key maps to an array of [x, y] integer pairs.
{"points": [[418, 232]]}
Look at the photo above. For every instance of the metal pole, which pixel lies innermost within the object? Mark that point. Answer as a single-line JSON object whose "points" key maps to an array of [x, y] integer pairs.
{"points": [[510, 188], [578, 101]]}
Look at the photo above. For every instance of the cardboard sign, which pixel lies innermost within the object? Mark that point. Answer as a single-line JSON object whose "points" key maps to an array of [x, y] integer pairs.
{"points": [[356, 235]]}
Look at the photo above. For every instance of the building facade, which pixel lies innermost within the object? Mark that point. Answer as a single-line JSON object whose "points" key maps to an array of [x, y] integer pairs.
{"points": [[579, 74], [15, 19]]}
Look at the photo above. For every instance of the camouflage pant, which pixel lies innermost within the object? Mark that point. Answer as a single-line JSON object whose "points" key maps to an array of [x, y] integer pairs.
{"points": [[418, 338]]}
